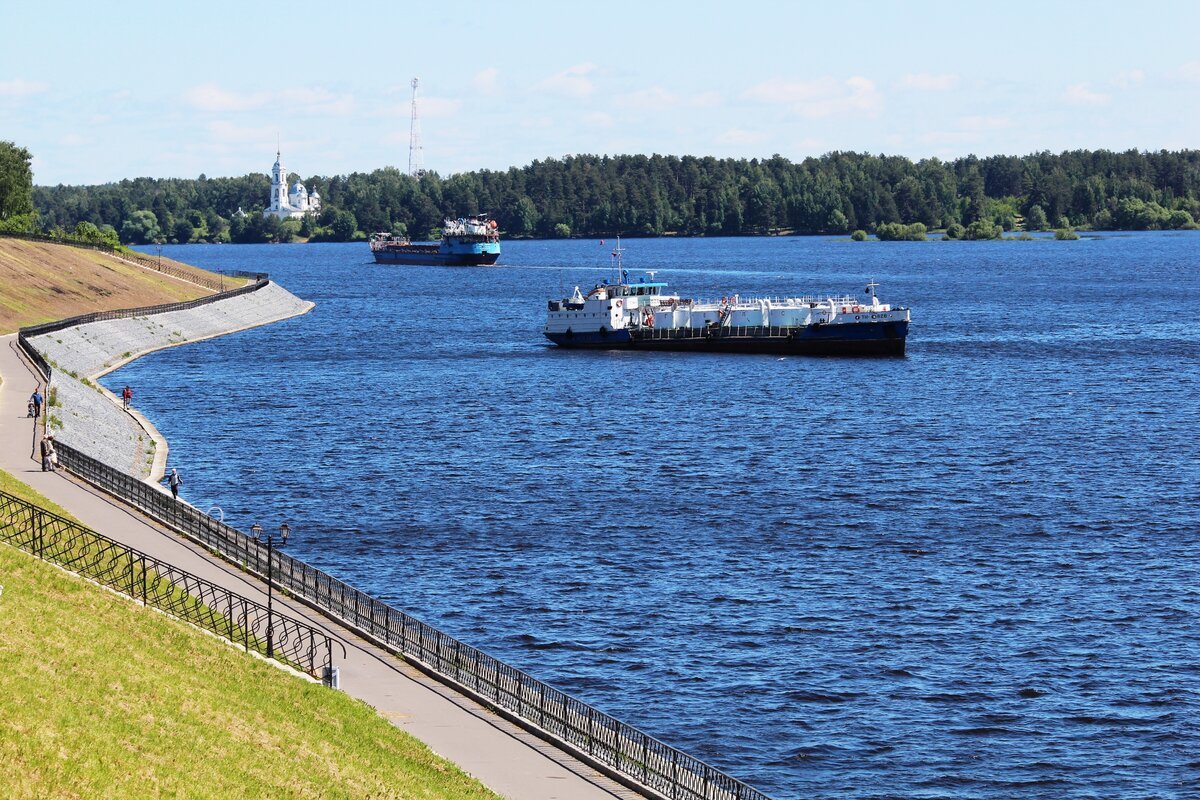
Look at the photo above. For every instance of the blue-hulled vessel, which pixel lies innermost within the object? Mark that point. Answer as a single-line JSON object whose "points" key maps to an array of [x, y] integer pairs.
{"points": [[643, 315], [466, 242]]}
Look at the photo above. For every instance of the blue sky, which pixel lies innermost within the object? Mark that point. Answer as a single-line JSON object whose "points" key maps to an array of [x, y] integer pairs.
{"points": [[100, 92]]}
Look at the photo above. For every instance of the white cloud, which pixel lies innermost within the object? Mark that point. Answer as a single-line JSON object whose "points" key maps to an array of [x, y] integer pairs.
{"points": [[824, 97], [649, 99], [741, 136], [1190, 71], [925, 82], [73, 140], [210, 97], [705, 100], [572, 82], [21, 88], [436, 107], [970, 131], [1080, 94], [485, 79], [598, 119], [978, 123], [316, 101], [1129, 78], [224, 131]]}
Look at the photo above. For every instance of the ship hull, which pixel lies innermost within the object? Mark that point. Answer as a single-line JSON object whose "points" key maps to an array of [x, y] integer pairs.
{"points": [[866, 339], [436, 259]]}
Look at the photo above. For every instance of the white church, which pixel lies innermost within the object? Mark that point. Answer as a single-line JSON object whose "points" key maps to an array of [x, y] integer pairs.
{"points": [[293, 203]]}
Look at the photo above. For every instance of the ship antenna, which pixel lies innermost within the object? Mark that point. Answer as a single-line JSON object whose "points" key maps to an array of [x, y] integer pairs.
{"points": [[416, 166]]}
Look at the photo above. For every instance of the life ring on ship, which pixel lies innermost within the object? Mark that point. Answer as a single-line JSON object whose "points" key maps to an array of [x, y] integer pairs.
{"points": [[856, 309], [618, 304]]}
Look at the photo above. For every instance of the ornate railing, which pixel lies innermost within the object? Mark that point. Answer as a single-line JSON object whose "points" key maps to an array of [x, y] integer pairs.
{"points": [[125, 254], [621, 750], [170, 589]]}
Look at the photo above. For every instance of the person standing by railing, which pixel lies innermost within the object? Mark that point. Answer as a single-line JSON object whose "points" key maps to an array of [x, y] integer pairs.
{"points": [[35, 402], [126, 397], [174, 481], [49, 457]]}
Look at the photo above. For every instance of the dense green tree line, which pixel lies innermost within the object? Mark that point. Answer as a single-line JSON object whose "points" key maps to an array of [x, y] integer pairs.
{"points": [[652, 195]]}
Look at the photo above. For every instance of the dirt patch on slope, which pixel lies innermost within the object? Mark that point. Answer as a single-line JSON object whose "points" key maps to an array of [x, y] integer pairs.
{"points": [[40, 282]]}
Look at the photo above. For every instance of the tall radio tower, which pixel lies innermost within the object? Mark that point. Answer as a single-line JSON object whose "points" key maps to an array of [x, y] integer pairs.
{"points": [[416, 165]]}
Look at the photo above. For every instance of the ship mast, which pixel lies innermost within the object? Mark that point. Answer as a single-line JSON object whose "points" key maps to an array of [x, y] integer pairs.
{"points": [[416, 158], [617, 261]]}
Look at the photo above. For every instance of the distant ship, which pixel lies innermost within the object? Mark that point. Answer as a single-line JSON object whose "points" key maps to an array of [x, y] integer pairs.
{"points": [[466, 242], [641, 315]]}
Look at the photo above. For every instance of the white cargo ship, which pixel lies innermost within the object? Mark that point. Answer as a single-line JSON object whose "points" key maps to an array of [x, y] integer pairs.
{"points": [[643, 315]]}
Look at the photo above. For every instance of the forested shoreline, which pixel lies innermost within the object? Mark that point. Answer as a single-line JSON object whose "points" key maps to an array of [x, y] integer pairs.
{"points": [[637, 195]]}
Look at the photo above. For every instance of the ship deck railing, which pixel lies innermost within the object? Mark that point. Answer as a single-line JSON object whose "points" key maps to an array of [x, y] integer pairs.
{"points": [[719, 332], [755, 300]]}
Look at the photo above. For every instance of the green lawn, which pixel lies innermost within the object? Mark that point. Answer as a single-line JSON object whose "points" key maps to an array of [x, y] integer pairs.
{"points": [[101, 698]]}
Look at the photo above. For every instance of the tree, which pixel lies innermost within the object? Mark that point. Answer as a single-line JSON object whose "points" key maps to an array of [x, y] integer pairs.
{"points": [[562, 230], [955, 231], [16, 182], [183, 231], [344, 226], [1035, 219], [983, 229], [526, 219], [140, 228], [859, 235], [835, 193]]}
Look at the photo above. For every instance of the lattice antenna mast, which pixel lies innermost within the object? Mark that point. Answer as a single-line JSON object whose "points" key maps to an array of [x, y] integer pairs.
{"points": [[416, 158]]}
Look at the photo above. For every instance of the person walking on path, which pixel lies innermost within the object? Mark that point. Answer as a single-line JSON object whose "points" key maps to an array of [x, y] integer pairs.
{"points": [[175, 482], [48, 454], [35, 402], [126, 397]]}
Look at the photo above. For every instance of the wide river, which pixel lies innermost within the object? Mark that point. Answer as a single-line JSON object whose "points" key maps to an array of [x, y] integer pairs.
{"points": [[970, 572]]}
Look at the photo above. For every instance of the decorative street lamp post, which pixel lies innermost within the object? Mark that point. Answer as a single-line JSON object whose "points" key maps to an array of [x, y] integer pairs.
{"points": [[284, 532]]}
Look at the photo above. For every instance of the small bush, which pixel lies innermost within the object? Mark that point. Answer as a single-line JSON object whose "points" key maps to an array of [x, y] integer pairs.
{"points": [[859, 236], [898, 232], [1065, 234], [955, 231], [982, 229]]}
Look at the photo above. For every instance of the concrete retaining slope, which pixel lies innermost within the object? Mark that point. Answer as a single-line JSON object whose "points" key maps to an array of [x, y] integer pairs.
{"points": [[90, 418]]}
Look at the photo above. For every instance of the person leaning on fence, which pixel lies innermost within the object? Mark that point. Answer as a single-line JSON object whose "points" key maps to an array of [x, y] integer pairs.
{"points": [[175, 482], [49, 456]]}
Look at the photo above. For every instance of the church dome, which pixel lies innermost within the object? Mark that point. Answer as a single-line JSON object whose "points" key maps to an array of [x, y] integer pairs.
{"points": [[299, 188]]}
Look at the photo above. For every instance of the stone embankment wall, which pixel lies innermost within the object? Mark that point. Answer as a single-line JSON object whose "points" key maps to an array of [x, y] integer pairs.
{"points": [[92, 420]]}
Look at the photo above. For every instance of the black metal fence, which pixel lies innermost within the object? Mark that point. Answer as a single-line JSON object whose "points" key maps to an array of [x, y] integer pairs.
{"points": [[141, 260], [625, 751], [158, 584]]}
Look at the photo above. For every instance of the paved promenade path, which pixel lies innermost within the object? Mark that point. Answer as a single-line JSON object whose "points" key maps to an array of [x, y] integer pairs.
{"points": [[510, 761]]}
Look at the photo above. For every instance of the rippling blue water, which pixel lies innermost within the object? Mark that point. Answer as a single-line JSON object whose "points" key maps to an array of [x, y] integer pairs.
{"points": [[970, 572]]}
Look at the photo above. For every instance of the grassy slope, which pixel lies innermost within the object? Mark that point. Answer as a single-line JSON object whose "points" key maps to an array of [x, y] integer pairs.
{"points": [[102, 698], [40, 282]]}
